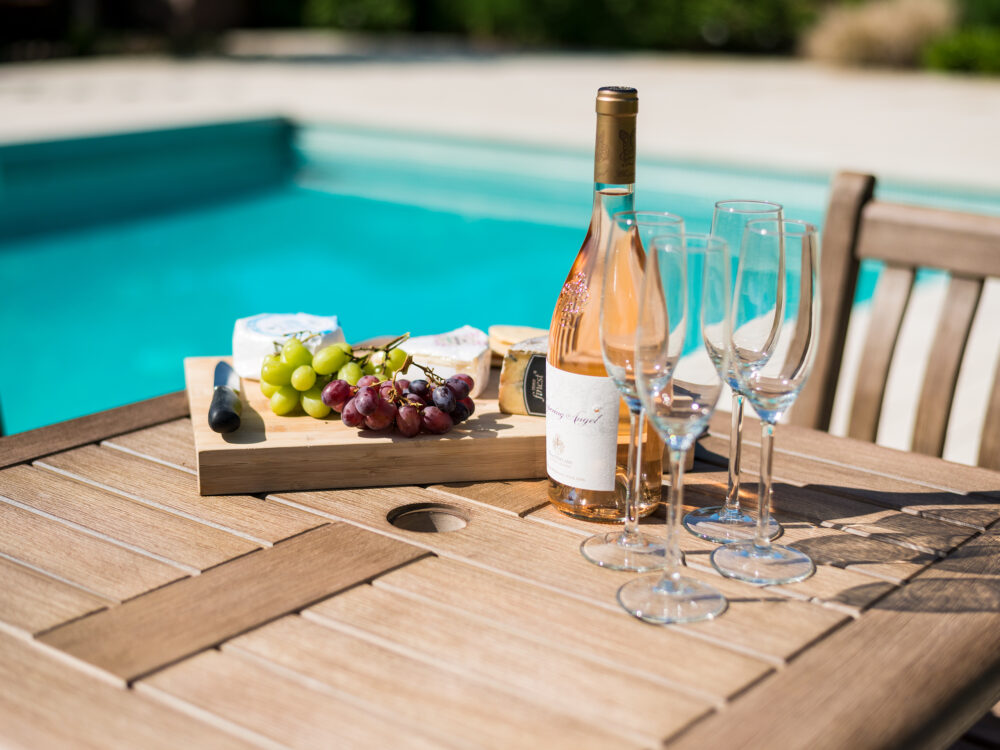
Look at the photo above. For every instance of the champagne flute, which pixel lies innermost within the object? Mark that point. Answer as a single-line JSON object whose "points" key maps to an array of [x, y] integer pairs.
{"points": [[625, 259], [777, 285], [685, 294], [728, 522]]}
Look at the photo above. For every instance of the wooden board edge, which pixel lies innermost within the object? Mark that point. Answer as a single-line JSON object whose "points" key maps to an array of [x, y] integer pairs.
{"points": [[343, 467], [91, 428]]}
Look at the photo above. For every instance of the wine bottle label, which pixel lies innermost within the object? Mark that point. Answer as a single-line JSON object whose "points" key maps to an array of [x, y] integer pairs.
{"points": [[581, 429]]}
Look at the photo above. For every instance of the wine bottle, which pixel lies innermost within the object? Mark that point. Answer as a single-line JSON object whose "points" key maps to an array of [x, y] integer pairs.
{"points": [[587, 421]]}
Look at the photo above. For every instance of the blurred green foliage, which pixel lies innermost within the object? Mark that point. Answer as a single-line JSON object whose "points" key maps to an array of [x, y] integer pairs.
{"points": [[370, 15], [972, 50], [980, 12], [43, 28], [734, 25]]}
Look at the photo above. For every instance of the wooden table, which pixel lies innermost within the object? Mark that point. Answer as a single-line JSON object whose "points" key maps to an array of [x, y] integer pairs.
{"points": [[136, 614]]}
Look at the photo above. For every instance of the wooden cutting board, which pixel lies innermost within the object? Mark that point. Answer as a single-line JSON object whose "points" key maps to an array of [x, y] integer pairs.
{"points": [[269, 453]]}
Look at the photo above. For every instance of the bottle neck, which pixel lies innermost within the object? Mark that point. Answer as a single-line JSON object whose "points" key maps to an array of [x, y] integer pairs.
{"points": [[609, 199], [614, 150], [614, 167]]}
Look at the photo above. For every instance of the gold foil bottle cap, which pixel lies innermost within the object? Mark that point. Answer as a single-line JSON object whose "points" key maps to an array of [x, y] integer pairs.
{"points": [[614, 152], [617, 100]]}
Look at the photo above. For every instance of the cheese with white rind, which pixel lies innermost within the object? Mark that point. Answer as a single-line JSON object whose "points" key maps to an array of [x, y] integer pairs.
{"points": [[254, 337], [522, 379], [502, 337], [465, 349]]}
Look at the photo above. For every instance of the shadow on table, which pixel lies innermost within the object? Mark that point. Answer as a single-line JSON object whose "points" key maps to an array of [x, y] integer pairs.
{"points": [[850, 549], [889, 527], [898, 537], [933, 594]]}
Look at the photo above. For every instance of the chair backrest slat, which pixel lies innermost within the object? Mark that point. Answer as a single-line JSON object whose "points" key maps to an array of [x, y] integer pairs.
{"points": [[961, 243], [838, 271], [989, 447], [886, 318], [943, 364], [905, 238]]}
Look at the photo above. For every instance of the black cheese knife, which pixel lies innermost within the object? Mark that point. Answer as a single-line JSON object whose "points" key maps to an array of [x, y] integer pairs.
{"points": [[224, 413]]}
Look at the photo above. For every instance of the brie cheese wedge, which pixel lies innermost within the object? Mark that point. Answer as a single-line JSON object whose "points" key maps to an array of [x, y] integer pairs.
{"points": [[465, 349]]}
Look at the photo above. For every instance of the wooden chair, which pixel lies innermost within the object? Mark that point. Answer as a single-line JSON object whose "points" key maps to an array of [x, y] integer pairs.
{"points": [[904, 237]]}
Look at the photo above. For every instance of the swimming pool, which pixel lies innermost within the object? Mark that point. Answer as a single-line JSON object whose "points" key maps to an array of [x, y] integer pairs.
{"points": [[120, 256]]}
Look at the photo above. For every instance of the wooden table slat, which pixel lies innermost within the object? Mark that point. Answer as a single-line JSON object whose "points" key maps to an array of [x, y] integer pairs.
{"points": [[925, 660], [46, 704], [31, 602], [637, 709], [281, 708], [167, 535], [419, 691], [171, 442], [97, 565], [519, 497], [347, 631], [176, 490], [26, 446], [549, 557], [581, 628], [848, 589], [180, 620]]}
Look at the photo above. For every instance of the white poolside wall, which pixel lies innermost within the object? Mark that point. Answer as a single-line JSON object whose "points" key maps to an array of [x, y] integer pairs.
{"points": [[914, 127]]}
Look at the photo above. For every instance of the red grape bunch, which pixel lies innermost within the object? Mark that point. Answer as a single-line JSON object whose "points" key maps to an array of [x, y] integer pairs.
{"points": [[411, 406]]}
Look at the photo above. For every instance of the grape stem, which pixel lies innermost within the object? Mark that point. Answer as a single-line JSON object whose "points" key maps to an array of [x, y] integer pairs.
{"points": [[404, 367], [396, 342], [386, 349], [433, 376]]}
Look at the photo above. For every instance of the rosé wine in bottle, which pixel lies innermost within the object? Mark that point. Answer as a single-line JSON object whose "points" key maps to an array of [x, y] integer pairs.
{"points": [[587, 421]]}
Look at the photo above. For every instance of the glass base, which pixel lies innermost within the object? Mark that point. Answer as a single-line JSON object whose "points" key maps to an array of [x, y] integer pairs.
{"points": [[775, 564], [719, 526], [609, 551], [653, 599]]}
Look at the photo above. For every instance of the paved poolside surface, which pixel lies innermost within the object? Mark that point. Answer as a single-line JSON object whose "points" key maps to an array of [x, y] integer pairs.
{"points": [[911, 127]]}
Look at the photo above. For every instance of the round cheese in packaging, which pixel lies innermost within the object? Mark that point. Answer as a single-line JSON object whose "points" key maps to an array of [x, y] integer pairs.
{"points": [[254, 337]]}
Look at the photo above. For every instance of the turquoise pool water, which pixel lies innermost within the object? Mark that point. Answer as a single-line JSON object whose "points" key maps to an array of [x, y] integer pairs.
{"points": [[120, 257]]}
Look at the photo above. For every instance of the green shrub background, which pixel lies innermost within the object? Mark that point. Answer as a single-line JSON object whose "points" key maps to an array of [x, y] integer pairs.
{"points": [[974, 48], [971, 50], [736, 25]]}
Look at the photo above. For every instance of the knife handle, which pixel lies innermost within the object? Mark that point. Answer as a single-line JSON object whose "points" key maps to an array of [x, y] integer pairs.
{"points": [[224, 412]]}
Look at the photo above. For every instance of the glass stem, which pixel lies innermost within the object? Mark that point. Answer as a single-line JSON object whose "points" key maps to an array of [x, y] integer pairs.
{"points": [[732, 508], [761, 538], [633, 489], [672, 560]]}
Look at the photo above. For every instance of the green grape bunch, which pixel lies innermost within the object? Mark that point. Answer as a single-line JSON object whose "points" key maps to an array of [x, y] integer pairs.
{"points": [[293, 377]]}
